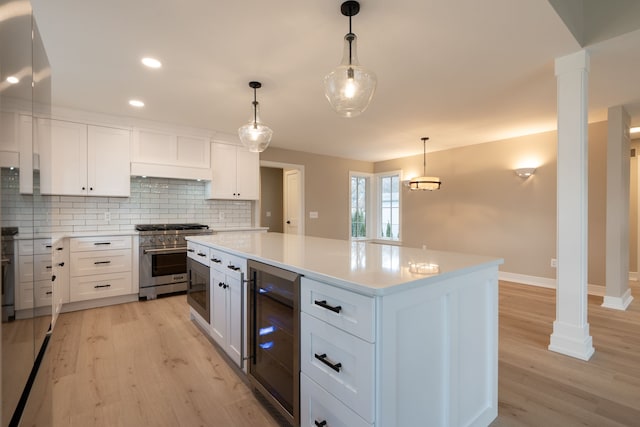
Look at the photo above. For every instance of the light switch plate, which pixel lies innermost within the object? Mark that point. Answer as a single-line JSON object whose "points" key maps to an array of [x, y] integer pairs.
{"points": [[313, 215]]}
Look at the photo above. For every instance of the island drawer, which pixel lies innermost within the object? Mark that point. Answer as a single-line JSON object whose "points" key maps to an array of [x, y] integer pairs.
{"points": [[343, 309], [339, 362], [198, 252], [318, 406], [81, 244]]}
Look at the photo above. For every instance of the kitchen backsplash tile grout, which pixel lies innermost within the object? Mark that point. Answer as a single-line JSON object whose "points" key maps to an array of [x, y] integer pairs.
{"points": [[152, 200]]}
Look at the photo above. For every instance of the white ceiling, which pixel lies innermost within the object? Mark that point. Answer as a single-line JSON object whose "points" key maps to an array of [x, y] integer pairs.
{"points": [[461, 72]]}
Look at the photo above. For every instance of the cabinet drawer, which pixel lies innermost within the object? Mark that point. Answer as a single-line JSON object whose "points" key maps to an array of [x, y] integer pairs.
{"points": [[36, 246], [234, 265], [40, 265], [81, 244], [356, 312], [216, 259], [317, 405], [24, 296], [100, 262], [99, 286], [43, 293], [198, 252], [352, 382]]}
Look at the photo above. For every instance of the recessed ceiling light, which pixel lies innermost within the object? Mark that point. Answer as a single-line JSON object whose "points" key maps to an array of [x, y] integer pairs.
{"points": [[12, 80], [151, 62], [136, 103], [635, 129]]}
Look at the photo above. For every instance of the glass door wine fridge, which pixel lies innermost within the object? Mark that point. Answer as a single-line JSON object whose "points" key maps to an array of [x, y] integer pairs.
{"points": [[274, 336]]}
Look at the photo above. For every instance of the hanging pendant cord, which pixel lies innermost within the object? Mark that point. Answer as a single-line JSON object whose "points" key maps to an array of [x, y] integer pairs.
{"points": [[255, 109], [424, 156], [350, 39]]}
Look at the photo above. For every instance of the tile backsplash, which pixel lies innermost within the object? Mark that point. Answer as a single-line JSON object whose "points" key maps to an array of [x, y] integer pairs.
{"points": [[152, 200]]}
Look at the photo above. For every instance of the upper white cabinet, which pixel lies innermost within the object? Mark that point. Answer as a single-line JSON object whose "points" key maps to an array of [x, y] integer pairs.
{"points": [[235, 173], [84, 160], [170, 155]]}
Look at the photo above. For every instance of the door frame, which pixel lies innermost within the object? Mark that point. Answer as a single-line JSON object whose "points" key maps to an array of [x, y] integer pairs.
{"points": [[285, 166]]}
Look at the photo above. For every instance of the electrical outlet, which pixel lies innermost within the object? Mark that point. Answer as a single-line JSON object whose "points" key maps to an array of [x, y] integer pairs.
{"points": [[313, 215], [554, 263]]}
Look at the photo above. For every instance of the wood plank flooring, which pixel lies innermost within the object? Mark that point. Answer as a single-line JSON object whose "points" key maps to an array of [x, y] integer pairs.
{"points": [[538, 387], [147, 364]]}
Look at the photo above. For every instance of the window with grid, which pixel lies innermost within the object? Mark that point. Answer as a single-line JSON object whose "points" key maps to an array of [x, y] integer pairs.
{"points": [[389, 206], [359, 203]]}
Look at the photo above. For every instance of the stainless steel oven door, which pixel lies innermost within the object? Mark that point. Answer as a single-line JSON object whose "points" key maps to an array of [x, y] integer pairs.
{"points": [[162, 266]]}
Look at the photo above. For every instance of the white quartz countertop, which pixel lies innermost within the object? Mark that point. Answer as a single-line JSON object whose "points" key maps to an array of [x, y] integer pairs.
{"points": [[364, 267]]}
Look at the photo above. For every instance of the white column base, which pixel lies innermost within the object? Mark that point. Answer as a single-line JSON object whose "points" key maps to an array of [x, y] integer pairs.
{"points": [[572, 341], [618, 303]]}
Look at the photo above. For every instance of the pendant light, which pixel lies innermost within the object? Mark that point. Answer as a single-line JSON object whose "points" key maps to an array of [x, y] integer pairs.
{"points": [[350, 87], [425, 182], [255, 135]]}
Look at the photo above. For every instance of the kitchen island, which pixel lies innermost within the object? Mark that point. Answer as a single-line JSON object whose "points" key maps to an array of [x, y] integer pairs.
{"points": [[416, 331]]}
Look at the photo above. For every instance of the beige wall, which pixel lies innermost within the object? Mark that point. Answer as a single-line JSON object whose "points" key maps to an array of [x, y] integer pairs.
{"points": [[326, 189], [271, 199], [483, 207]]}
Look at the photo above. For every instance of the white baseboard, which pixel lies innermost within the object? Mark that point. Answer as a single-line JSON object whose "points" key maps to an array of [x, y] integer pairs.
{"points": [[543, 282], [618, 303]]}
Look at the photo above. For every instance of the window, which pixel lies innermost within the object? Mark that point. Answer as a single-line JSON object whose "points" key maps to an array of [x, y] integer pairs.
{"points": [[375, 205], [359, 200], [389, 206]]}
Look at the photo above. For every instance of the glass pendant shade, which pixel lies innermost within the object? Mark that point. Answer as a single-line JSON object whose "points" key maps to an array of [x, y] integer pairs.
{"points": [[350, 87], [255, 135]]}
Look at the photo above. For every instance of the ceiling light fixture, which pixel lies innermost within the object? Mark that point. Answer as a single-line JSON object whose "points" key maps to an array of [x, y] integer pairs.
{"points": [[151, 62], [425, 182], [255, 135], [350, 87], [12, 80], [136, 103]]}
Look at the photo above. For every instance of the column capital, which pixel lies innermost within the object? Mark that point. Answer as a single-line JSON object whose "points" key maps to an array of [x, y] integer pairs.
{"points": [[576, 61]]}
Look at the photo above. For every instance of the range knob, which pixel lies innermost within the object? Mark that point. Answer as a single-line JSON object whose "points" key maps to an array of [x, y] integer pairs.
{"points": [[160, 239]]}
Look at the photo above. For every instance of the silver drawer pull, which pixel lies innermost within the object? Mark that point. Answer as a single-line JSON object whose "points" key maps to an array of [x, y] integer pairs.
{"points": [[324, 305], [102, 262], [323, 358], [102, 286]]}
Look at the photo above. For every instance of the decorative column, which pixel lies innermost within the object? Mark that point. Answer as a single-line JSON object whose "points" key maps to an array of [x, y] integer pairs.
{"points": [[570, 330], [617, 294]]}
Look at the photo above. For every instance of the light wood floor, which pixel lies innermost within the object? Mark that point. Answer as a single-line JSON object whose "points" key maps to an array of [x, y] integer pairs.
{"points": [[147, 364]]}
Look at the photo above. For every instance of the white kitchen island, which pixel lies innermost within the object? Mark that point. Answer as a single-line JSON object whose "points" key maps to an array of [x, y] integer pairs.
{"points": [[416, 349]]}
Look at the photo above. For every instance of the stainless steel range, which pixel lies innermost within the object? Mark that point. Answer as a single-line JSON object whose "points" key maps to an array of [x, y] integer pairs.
{"points": [[163, 257]]}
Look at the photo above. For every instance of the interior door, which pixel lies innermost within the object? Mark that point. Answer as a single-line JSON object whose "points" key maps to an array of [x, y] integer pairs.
{"points": [[292, 202]]}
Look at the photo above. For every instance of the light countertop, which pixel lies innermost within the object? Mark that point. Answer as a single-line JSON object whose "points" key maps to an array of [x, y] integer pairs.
{"points": [[365, 267]]}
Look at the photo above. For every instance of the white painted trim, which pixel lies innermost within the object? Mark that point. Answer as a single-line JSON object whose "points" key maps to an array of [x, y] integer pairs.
{"points": [[543, 282], [633, 275], [618, 303]]}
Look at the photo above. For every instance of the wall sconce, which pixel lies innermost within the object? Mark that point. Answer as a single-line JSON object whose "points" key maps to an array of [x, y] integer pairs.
{"points": [[525, 172]]}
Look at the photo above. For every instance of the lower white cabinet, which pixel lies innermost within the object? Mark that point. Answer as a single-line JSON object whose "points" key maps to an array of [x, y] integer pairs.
{"points": [[33, 275], [97, 271], [319, 408], [227, 301]]}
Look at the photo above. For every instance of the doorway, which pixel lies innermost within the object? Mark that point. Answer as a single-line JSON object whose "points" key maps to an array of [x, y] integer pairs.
{"points": [[282, 197]]}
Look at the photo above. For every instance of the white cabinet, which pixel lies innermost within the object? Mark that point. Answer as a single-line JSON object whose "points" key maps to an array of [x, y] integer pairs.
{"points": [[227, 302], [235, 173], [16, 147], [34, 271], [337, 355], [98, 271], [170, 155], [84, 160], [60, 279]]}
